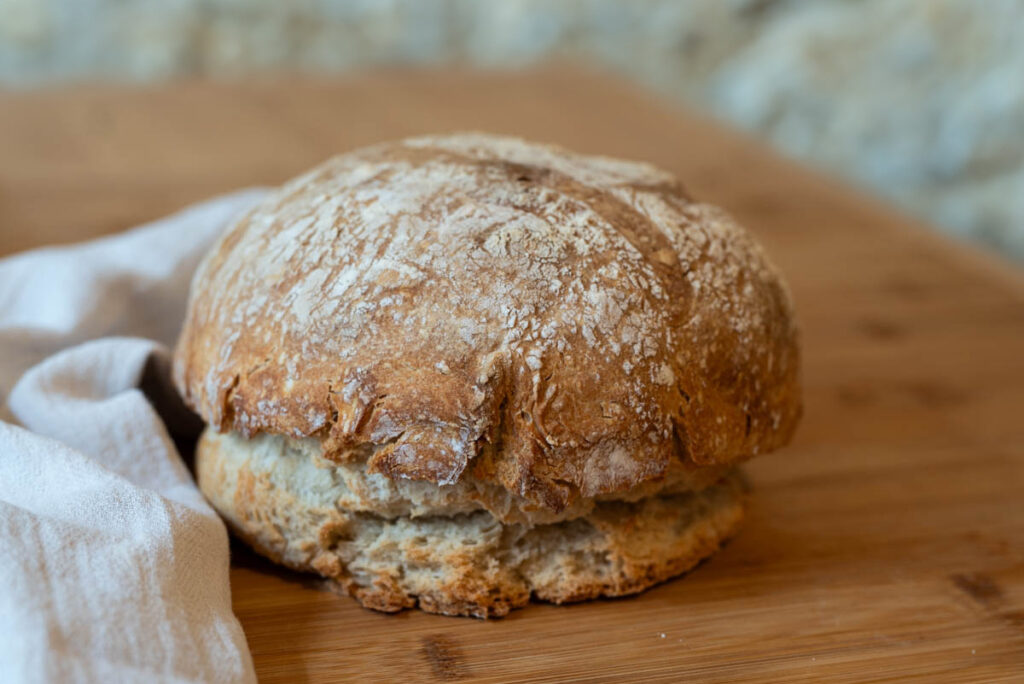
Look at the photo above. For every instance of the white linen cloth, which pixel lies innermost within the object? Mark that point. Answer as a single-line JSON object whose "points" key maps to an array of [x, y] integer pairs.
{"points": [[112, 566]]}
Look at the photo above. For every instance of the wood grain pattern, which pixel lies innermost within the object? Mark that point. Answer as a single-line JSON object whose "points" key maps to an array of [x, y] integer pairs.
{"points": [[886, 543]]}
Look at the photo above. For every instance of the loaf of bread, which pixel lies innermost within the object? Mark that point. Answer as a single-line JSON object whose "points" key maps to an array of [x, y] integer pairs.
{"points": [[462, 371]]}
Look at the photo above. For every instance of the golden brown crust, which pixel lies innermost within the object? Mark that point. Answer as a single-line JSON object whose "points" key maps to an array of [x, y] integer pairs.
{"points": [[467, 564], [563, 325]]}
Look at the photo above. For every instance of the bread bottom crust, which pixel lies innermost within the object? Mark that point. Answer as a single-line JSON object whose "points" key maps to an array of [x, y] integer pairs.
{"points": [[469, 563]]}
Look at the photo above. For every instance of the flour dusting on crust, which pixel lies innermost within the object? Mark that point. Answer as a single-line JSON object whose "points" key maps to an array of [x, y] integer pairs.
{"points": [[563, 325]]}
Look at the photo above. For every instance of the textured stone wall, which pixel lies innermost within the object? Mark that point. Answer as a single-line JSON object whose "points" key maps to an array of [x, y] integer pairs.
{"points": [[921, 101]]}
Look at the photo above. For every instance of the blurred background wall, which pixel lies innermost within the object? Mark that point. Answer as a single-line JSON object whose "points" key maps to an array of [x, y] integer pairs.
{"points": [[919, 101]]}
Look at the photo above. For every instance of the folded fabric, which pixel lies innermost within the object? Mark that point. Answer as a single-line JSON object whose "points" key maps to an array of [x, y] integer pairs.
{"points": [[113, 567]]}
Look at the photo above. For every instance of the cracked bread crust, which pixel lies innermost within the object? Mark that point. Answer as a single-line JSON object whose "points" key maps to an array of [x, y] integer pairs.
{"points": [[467, 563], [562, 326], [351, 487]]}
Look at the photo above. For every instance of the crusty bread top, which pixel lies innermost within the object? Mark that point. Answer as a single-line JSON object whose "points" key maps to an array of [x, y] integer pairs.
{"points": [[563, 324]]}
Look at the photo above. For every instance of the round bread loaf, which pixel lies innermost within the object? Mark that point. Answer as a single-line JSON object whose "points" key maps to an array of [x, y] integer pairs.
{"points": [[469, 325]]}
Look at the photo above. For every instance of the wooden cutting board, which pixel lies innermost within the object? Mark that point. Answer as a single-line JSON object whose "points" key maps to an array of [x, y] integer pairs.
{"points": [[886, 543]]}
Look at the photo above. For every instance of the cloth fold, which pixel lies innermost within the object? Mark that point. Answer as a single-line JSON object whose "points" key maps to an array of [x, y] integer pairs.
{"points": [[113, 567]]}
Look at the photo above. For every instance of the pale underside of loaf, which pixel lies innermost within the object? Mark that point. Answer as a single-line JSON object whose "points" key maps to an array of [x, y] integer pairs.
{"points": [[463, 561], [352, 486]]}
